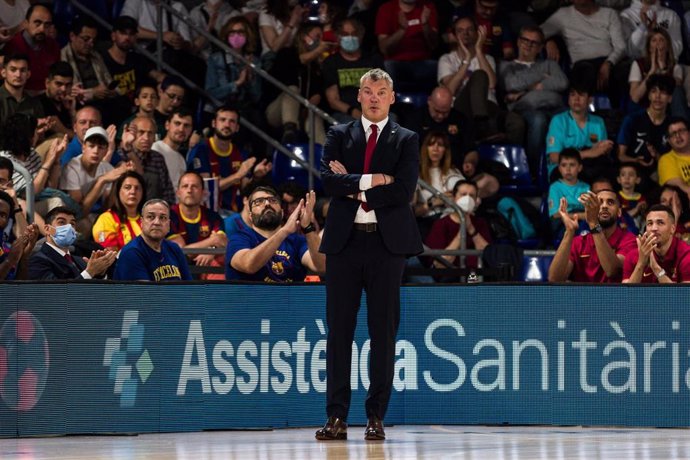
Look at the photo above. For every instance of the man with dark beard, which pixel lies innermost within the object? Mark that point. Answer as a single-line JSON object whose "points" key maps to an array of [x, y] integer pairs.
{"points": [[218, 157], [598, 256], [270, 252]]}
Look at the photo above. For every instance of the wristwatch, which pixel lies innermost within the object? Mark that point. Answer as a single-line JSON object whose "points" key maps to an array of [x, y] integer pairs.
{"points": [[308, 229], [661, 273], [597, 229]]}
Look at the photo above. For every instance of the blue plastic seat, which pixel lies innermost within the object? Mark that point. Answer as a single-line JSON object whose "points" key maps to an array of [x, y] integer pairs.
{"points": [[535, 269], [285, 168], [514, 158]]}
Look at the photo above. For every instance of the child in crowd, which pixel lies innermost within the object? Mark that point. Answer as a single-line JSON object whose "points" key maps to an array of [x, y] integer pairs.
{"points": [[632, 202], [568, 187], [146, 101]]}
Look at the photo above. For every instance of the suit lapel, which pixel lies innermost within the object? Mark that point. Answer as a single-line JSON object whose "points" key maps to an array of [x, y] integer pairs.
{"points": [[59, 260], [385, 147], [359, 145]]}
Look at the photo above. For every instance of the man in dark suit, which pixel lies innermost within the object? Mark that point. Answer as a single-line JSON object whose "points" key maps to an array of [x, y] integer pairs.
{"points": [[370, 168], [54, 261]]}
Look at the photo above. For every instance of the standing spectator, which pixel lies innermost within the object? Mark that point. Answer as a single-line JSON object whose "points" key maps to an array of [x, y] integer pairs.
{"points": [[642, 137], [278, 24], [643, 18], [342, 71], [54, 260], [407, 32], [593, 36], [13, 95], [657, 60], [193, 225], [220, 158], [137, 146], [660, 256], [122, 222], [35, 42], [598, 256], [150, 257], [577, 128], [178, 128], [534, 89]]}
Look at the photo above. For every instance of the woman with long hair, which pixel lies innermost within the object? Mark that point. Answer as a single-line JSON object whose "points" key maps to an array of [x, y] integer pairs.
{"points": [[658, 59], [122, 222]]}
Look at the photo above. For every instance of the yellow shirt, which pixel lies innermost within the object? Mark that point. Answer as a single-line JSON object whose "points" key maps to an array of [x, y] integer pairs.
{"points": [[674, 165], [109, 234]]}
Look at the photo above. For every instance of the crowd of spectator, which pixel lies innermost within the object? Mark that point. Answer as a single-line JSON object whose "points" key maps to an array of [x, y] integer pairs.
{"points": [[129, 162]]}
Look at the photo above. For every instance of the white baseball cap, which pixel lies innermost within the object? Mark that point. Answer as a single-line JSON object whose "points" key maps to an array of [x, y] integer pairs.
{"points": [[96, 131]]}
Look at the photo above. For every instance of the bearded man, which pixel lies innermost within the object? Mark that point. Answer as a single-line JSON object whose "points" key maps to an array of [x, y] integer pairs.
{"points": [[271, 252]]}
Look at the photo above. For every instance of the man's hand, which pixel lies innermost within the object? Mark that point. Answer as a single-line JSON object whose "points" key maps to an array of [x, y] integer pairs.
{"points": [[307, 215], [204, 260], [100, 260], [591, 203], [481, 39], [262, 168], [426, 14], [603, 77], [602, 147], [569, 222], [31, 234], [173, 39], [552, 51], [402, 20], [128, 136], [293, 222], [246, 166], [57, 147], [381, 179], [645, 246], [337, 167]]}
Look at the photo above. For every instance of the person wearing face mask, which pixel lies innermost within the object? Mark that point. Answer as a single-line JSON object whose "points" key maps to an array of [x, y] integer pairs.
{"points": [[445, 233], [54, 260], [210, 15], [342, 71]]}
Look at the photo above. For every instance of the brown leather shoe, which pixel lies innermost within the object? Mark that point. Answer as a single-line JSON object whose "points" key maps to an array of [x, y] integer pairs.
{"points": [[334, 429], [374, 431]]}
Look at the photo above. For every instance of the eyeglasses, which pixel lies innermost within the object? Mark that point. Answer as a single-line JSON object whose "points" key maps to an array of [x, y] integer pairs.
{"points": [[529, 42], [273, 201], [175, 97], [678, 132], [153, 217]]}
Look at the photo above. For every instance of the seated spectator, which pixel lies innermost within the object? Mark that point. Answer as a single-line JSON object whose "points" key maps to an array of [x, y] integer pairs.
{"points": [[137, 146], [220, 158], [642, 19], [445, 233], [178, 129], [632, 202], [598, 256], [150, 257], [171, 93], [13, 14], [435, 169], [343, 69], [568, 187], [57, 100], [491, 15], [407, 32], [122, 222], [36, 42], [440, 116], [87, 178], [470, 75], [193, 225], [625, 222], [271, 252], [87, 117], [658, 60], [290, 193], [660, 257], [145, 101], [17, 221], [211, 16], [299, 68], [278, 23], [54, 261], [674, 198], [126, 65], [642, 137], [577, 128], [674, 166], [14, 252], [18, 133], [593, 36], [534, 89], [13, 95]]}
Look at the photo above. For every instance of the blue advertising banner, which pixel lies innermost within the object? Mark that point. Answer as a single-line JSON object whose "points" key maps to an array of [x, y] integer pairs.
{"points": [[130, 358]]}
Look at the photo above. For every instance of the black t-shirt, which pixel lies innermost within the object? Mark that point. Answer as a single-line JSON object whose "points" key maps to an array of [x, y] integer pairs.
{"points": [[50, 108], [346, 74], [458, 128], [130, 75]]}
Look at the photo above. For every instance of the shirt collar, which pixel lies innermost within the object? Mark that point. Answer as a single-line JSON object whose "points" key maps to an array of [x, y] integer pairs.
{"points": [[380, 125], [57, 248]]}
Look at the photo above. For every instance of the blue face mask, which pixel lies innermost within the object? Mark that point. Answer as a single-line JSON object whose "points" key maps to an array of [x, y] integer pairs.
{"points": [[65, 235], [349, 43]]}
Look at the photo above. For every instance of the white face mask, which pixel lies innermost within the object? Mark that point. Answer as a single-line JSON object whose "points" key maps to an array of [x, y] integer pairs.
{"points": [[466, 203]]}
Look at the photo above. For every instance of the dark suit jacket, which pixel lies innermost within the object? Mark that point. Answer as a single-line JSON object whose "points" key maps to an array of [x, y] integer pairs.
{"points": [[396, 154], [47, 264]]}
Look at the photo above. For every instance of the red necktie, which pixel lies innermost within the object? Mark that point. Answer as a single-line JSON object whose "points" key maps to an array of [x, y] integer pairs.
{"points": [[69, 258], [368, 155]]}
